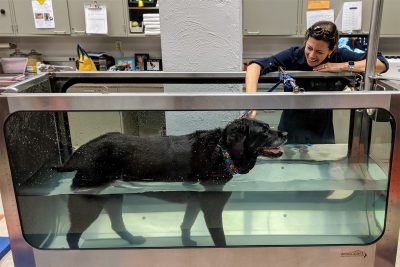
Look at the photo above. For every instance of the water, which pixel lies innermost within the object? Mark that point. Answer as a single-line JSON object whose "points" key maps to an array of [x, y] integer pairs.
{"points": [[279, 202]]}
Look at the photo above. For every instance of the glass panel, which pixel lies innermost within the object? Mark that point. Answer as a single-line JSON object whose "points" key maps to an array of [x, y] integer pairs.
{"points": [[160, 191], [85, 126]]}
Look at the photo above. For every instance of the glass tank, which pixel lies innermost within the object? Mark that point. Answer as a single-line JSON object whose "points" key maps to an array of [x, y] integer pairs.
{"points": [[134, 179]]}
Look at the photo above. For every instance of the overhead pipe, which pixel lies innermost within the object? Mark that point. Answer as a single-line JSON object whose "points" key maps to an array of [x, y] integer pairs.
{"points": [[373, 43]]}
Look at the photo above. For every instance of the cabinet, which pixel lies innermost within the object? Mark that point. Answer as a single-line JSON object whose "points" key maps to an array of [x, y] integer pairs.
{"points": [[390, 18], [270, 17], [26, 24], [5, 18], [337, 6], [116, 16]]}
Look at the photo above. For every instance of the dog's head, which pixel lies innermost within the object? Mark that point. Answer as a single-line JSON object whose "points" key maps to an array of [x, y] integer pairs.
{"points": [[245, 139]]}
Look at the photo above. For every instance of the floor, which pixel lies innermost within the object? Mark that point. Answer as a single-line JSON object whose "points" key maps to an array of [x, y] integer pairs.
{"points": [[7, 260]]}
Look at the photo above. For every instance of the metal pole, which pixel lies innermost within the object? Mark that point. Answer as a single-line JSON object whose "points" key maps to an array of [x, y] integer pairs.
{"points": [[374, 33]]}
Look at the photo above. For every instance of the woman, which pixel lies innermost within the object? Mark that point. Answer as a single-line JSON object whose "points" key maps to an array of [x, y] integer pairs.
{"points": [[319, 53]]}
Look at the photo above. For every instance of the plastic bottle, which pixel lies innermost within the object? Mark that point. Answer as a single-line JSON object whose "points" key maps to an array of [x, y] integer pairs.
{"points": [[33, 58]]}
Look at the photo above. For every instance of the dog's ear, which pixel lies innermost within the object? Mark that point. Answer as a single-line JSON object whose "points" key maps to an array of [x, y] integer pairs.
{"points": [[235, 138], [256, 137]]}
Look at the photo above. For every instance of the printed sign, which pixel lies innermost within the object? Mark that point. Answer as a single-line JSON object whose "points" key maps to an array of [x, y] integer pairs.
{"points": [[43, 14]]}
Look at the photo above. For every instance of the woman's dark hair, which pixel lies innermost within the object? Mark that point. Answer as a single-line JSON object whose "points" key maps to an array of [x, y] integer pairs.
{"points": [[324, 30]]}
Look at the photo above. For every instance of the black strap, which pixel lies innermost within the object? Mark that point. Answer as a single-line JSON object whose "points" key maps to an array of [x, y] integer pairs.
{"points": [[81, 51]]}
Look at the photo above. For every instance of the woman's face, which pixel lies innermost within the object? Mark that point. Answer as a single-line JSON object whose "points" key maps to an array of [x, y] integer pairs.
{"points": [[316, 51]]}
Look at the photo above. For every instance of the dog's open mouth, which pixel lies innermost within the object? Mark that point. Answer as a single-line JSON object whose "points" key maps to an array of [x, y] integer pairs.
{"points": [[272, 152]]}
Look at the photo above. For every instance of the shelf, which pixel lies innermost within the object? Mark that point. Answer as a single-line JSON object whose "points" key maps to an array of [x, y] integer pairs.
{"points": [[143, 8], [142, 35]]}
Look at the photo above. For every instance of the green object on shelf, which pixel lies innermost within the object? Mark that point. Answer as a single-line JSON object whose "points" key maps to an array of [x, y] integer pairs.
{"points": [[143, 3]]}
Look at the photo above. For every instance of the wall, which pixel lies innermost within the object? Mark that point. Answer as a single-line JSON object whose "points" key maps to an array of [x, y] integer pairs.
{"points": [[194, 39], [253, 47]]}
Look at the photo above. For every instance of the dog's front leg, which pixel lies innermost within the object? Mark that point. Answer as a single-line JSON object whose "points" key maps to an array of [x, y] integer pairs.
{"points": [[212, 205], [113, 208], [191, 212]]}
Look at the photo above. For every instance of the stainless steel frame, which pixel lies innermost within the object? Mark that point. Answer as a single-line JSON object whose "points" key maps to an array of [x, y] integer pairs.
{"points": [[374, 33], [379, 254], [159, 77]]}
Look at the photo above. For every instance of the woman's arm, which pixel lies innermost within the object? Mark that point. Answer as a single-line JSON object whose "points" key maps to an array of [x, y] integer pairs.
{"points": [[252, 76], [359, 66]]}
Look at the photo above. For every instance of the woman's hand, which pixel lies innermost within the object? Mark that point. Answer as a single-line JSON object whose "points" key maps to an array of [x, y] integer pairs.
{"points": [[332, 67], [250, 114], [252, 76]]}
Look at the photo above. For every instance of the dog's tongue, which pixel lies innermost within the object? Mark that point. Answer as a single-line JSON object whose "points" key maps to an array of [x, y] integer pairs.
{"points": [[272, 151]]}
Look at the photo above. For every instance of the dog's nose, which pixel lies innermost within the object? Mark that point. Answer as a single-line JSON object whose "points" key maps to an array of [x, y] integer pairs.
{"points": [[283, 134]]}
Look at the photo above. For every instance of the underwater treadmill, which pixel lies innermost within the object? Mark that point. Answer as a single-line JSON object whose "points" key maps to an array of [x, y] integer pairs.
{"points": [[319, 204]]}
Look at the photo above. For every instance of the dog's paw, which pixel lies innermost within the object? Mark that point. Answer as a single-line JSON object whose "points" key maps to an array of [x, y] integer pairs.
{"points": [[133, 240], [137, 240], [73, 240], [187, 242]]}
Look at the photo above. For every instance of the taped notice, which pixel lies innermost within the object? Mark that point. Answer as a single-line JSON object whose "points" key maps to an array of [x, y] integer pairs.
{"points": [[43, 14], [318, 15], [315, 4]]}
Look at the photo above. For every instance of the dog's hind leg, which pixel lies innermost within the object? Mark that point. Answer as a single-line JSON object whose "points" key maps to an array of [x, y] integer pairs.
{"points": [[212, 205], [83, 211], [113, 206], [90, 178], [191, 212]]}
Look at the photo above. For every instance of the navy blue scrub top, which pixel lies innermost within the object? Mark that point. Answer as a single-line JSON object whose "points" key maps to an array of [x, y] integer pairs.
{"points": [[309, 126]]}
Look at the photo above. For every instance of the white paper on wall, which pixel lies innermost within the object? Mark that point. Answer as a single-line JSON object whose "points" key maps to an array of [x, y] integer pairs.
{"points": [[43, 14], [96, 19], [318, 15], [351, 16]]}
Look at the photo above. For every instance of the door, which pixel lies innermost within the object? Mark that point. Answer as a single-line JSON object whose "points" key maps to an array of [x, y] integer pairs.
{"points": [[116, 16], [5, 18], [390, 18], [26, 23], [270, 17]]}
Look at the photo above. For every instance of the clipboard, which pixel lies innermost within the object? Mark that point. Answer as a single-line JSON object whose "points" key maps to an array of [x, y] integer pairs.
{"points": [[94, 5], [96, 18]]}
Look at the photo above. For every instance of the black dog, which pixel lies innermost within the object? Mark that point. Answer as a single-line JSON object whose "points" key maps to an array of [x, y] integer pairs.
{"points": [[208, 157]]}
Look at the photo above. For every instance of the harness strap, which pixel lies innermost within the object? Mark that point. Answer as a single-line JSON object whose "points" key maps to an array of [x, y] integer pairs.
{"points": [[229, 165]]}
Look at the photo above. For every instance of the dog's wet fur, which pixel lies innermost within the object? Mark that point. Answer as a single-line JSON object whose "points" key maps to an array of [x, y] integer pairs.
{"points": [[195, 157]]}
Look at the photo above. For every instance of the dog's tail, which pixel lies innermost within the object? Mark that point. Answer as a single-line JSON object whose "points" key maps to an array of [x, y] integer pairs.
{"points": [[72, 164], [78, 160], [63, 168]]}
